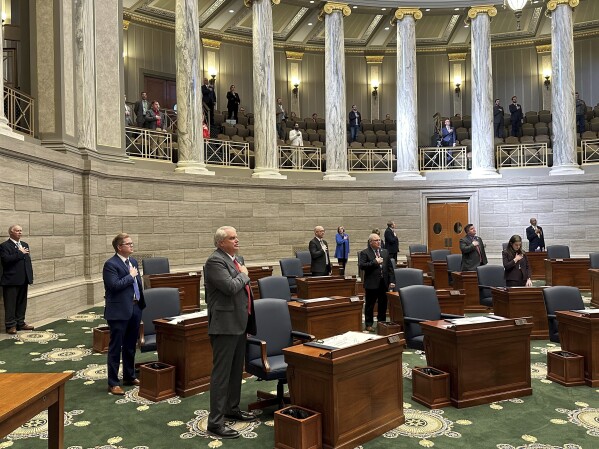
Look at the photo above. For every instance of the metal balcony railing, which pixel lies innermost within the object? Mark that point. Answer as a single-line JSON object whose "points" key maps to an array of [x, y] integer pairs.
{"points": [[18, 108], [370, 159], [300, 158], [148, 144], [442, 158], [227, 153], [522, 155], [590, 151]]}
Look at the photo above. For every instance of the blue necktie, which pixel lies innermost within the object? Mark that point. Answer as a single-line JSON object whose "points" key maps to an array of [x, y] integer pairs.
{"points": [[135, 286]]}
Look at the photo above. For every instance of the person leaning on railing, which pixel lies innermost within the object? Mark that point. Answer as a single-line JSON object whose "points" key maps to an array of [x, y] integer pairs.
{"points": [[295, 136]]}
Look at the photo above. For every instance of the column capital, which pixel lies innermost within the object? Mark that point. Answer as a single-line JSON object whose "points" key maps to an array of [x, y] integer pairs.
{"points": [[249, 3], [544, 48], [457, 56], [553, 4], [331, 7], [294, 55], [490, 10], [400, 13], [126, 24], [211, 43], [374, 59]]}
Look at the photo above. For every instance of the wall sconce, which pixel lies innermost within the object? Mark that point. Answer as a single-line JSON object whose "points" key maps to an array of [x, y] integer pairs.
{"points": [[295, 89], [375, 89], [458, 82], [547, 81]]}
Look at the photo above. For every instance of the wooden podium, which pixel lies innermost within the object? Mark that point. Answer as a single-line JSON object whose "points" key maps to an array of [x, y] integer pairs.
{"points": [[325, 286], [438, 270], [468, 281], [579, 333], [327, 318], [188, 282], [450, 301], [572, 272], [537, 264], [256, 273], [594, 274], [516, 302], [187, 347], [419, 261], [487, 362], [358, 390]]}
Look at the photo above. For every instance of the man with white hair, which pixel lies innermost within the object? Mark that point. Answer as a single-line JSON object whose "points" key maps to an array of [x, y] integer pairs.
{"points": [[319, 252]]}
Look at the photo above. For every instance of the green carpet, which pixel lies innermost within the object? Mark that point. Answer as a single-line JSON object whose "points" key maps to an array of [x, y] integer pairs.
{"points": [[553, 417]]}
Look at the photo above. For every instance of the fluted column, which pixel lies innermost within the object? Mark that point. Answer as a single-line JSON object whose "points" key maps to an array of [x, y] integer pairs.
{"points": [[483, 149], [334, 79], [407, 109], [265, 126], [189, 102], [5, 130], [562, 89]]}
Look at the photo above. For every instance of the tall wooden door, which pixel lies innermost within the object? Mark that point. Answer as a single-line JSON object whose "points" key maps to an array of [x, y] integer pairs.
{"points": [[446, 222], [161, 89]]}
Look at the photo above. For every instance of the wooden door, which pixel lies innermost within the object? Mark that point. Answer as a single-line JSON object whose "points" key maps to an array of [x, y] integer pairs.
{"points": [[446, 223], [161, 89]]}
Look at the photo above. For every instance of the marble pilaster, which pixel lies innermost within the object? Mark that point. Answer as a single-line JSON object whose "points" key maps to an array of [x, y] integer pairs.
{"points": [[265, 126], [483, 151], [562, 90], [457, 69], [374, 65], [407, 126], [544, 64], [335, 103], [294, 61], [189, 102], [5, 130]]}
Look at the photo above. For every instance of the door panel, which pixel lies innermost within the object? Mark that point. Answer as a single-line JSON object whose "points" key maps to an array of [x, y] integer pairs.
{"points": [[437, 226], [456, 221], [446, 223]]}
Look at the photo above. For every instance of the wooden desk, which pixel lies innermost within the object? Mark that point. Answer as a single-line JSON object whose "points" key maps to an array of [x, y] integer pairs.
{"points": [[516, 302], [572, 272], [327, 318], [24, 395], [187, 347], [450, 301], [438, 270], [419, 261], [537, 264], [487, 362], [468, 281], [594, 274], [323, 286], [256, 273], [358, 390], [188, 282], [580, 334]]}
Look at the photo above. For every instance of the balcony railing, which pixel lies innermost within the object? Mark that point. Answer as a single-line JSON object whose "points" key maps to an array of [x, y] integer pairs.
{"points": [[300, 158], [370, 159], [522, 155], [19, 110], [590, 151], [442, 158], [227, 153], [148, 144]]}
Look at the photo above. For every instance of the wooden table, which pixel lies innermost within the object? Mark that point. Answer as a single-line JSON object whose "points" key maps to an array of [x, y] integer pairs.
{"points": [[24, 395], [594, 274], [188, 282], [579, 333], [487, 362], [516, 302], [438, 270], [358, 390], [419, 261], [256, 273], [572, 272], [450, 301], [468, 281], [537, 264], [327, 318], [323, 286]]}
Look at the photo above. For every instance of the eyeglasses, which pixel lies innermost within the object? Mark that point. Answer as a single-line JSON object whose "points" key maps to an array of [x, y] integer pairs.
{"points": [[127, 244]]}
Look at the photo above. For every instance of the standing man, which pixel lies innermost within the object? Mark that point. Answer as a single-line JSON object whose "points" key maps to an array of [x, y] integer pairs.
{"points": [[473, 249], [536, 238], [141, 108], [581, 112], [319, 251], [516, 116], [498, 122], [154, 118], [230, 319], [355, 118], [128, 113], [233, 102], [281, 117], [124, 302], [209, 98], [295, 137], [379, 277], [391, 240], [16, 276]]}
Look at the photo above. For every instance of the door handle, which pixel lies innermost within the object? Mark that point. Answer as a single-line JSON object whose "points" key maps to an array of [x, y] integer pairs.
{"points": [[450, 241]]}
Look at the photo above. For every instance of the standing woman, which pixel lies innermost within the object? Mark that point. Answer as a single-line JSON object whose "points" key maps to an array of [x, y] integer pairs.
{"points": [[233, 102], [517, 269], [342, 250]]}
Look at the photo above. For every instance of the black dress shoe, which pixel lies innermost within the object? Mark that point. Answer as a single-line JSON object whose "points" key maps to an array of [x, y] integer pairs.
{"points": [[223, 432], [241, 416]]}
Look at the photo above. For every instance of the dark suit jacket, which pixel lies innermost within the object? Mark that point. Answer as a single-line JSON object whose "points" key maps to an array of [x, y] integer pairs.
{"points": [[140, 117], [372, 270], [535, 241], [226, 297], [208, 95], [497, 114], [353, 116], [391, 241], [448, 137], [151, 119], [516, 112], [233, 100], [319, 257], [118, 286], [516, 271], [17, 269], [470, 257]]}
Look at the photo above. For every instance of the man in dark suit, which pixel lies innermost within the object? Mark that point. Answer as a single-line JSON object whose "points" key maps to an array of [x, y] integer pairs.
{"points": [[516, 116], [355, 119], [16, 276], [230, 319], [319, 252], [209, 98], [155, 118], [124, 302], [535, 236], [141, 108], [379, 276], [498, 119], [473, 249], [391, 241]]}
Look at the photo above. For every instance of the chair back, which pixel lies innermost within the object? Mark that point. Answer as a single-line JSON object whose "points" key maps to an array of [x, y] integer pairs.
{"points": [[558, 252], [304, 256], [504, 246], [155, 265], [404, 277], [560, 298], [439, 254], [417, 248], [274, 287], [291, 268], [594, 260], [418, 301], [489, 276], [161, 302], [454, 263]]}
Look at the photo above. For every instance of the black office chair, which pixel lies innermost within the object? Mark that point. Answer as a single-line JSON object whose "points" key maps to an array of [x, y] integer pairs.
{"points": [[161, 302], [264, 351], [439, 254], [454, 263], [417, 248], [155, 265], [274, 287], [560, 298], [558, 252], [404, 277], [304, 256], [291, 269], [504, 246], [489, 276], [419, 303], [594, 260]]}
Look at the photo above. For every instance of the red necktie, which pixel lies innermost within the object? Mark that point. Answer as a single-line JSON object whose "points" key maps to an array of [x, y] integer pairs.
{"points": [[247, 288]]}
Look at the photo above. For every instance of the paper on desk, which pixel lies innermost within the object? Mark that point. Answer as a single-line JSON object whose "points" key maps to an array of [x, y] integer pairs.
{"points": [[347, 339], [188, 316], [587, 311], [309, 301], [471, 320]]}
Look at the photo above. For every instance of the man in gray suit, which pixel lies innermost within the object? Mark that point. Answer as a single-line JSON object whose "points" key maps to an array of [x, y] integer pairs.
{"points": [[230, 318]]}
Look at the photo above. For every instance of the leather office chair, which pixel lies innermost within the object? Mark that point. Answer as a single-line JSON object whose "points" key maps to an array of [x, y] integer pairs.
{"points": [[558, 252], [594, 260], [560, 298], [264, 351], [404, 277], [274, 287], [161, 302], [454, 263], [304, 256], [155, 265], [291, 269], [419, 303], [504, 246], [417, 248], [489, 276], [439, 254]]}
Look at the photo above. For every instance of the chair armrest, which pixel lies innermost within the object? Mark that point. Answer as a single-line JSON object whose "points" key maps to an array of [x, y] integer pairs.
{"points": [[142, 338], [410, 319], [302, 335], [451, 315], [487, 286], [292, 276], [263, 355], [551, 316]]}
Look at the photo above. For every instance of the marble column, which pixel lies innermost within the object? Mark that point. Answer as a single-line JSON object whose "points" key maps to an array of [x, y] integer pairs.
{"points": [[562, 89], [5, 130], [334, 79], [483, 148], [265, 126], [407, 109], [189, 100]]}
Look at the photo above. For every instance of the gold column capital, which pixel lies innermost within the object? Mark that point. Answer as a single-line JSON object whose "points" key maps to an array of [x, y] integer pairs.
{"points": [[378, 59], [126, 24], [490, 10], [211, 43], [294, 55], [544, 48], [249, 3], [400, 13], [457, 56], [552, 4], [331, 7]]}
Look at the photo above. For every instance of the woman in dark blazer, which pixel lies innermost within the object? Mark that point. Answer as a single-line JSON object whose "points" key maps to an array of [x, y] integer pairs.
{"points": [[233, 102], [515, 262]]}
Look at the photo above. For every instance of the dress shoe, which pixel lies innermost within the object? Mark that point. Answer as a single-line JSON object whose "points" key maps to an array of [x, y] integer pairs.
{"points": [[369, 329], [223, 432], [241, 416], [116, 390], [131, 383], [11, 330], [26, 327]]}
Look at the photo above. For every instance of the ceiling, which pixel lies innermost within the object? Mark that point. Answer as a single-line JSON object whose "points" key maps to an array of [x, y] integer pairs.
{"points": [[296, 24]]}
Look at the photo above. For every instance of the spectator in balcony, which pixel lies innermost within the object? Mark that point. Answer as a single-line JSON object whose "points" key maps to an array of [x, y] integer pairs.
{"points": [[498, 122], [292, 117], [295, 136], [314, 117], [516, 116], [154, 118], [281, 115], [141, 109], [387, 116], [233, 102], [581, 111], [209, 98], [448, 139], [128, 114], [355, 118]]}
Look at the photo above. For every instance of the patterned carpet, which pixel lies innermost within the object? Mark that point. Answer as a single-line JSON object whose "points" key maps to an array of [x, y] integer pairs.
{"points": [[553, 417]]}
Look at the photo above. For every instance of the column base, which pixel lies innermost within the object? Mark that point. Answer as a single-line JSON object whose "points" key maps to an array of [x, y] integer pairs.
{"points": [[337, 175], [408, 176], [267, 173], [559, 170], [7, 131], [193, 168], [480, 173]]}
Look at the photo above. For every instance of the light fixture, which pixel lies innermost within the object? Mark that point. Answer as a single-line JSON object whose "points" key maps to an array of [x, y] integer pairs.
{"points": [[295, 89], [458, 82], [547, 81], [375, 89], [213, 75], [516, 6]]}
